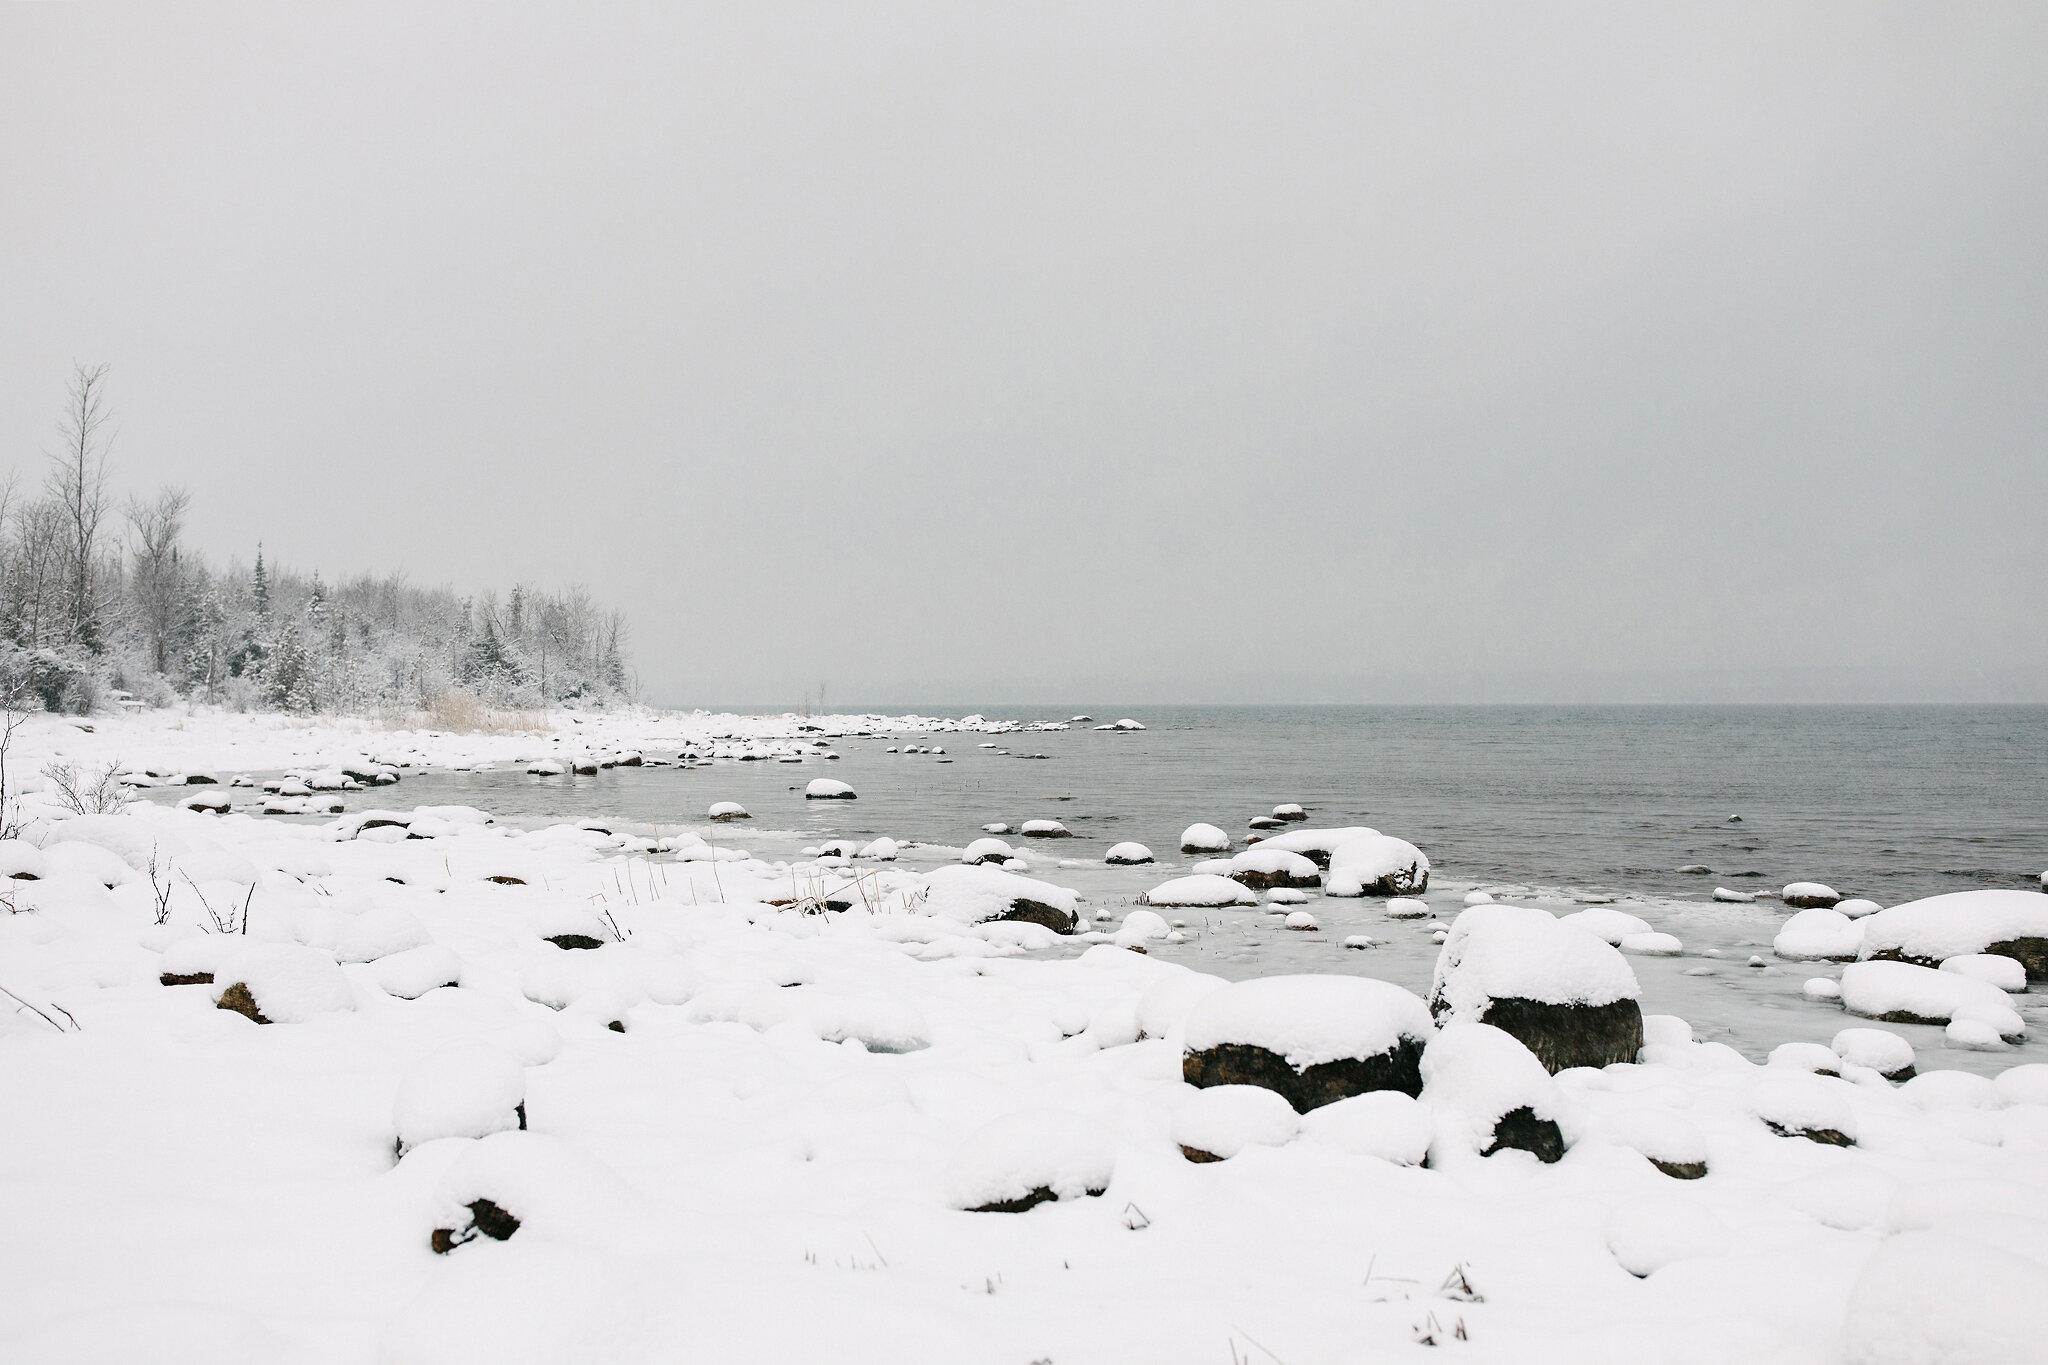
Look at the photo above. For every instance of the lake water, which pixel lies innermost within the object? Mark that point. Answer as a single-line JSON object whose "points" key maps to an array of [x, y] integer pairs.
{"points": [[1548, 805]]}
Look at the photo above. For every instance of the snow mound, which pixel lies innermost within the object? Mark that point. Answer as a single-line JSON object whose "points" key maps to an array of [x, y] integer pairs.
{"points": [[1163, 1008], [970, 895], [2026, 1084], [412, 973], [1028, 1157], [1807, 1057], [883, 850], [1607, 924], [1821, 988], [829, 789], [1140, 925], [1662, 1136], [1044, 829], [1264, 864], [1286, 895], [1407, 907], [2007, 973], [1204, 890], [1309, 1020], [1931, 1298], [1377, 865], [1879, 1049], [20, 859], [1645, 1235], [553, 1189], [1500, 952], [1380, 1123], [466, 1089], [1799, 1106], [1223, 1120], [1732, 896], [1857, 908], [1125, 854], [1951, 1090], [1901, 992], [380, 932], [1818, 935], [987, 851], [1651, 945], [1952, 925], [1473, 1076], [1204, 839], [290, 984]]}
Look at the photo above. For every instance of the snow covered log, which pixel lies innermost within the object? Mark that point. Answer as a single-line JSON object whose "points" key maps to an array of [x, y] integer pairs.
{"points": [[1312, 1039], [2010, 924], [1569, 997]]}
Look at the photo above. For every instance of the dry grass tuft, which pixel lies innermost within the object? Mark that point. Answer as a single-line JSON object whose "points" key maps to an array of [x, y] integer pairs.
{"points": [[458, 711]]}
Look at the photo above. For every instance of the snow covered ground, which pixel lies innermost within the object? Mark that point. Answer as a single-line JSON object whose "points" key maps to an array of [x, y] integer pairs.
{"points": [[604, 1094]]}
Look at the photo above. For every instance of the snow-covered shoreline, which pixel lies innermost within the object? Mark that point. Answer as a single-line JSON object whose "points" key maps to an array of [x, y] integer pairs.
{"points": [[712, 1088]]}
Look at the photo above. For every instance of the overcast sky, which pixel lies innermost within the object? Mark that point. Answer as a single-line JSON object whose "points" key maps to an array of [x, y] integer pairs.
{"points": [[988, 353]]}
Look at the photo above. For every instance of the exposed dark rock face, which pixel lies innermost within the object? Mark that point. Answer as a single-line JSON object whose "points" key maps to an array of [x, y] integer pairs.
{"points": [[1811, 902], [485, 1218], [1041, 1195], [1291, 815], [32, 877], [1830, 1137], [1038, 912], [1266, 881], [1565, 1036], [1126, 862], [1197, 1155], [504, 880], [575, 941], [185, 979], [1264, 822], [1681, 1170], [238, 999], [2031, 953], [1048, 833], [1521, 1129], [1399, 1068]]}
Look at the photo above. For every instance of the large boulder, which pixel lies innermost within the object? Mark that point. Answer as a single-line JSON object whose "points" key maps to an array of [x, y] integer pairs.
{"points": [[1568, 996], [1907, 993], [973, 895], [1313, 1039], [1377, 865], [2010, 924], [1217, 1123]]}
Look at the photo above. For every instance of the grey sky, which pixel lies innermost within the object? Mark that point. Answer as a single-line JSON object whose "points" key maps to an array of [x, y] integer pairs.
{"points": [[986, 353]]}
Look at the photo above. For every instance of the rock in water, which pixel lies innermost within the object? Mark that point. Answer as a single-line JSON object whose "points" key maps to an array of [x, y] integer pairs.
{"points": [[1806, 895], [1568, 997]]}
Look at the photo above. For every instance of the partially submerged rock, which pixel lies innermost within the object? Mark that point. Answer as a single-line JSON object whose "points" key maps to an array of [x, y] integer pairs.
{"points": [[973, 895], [1806, 895], [1204, 839], [2010, 924], [829, 789], [1127, 855], [1204, 890]]}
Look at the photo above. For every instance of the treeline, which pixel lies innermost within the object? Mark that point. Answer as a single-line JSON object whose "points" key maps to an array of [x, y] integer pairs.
{"points": [[97, 595]]}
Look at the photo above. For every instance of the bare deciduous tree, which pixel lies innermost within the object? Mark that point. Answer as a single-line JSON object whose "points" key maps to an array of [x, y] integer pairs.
{"points": [[156, 575], [77, 483]]}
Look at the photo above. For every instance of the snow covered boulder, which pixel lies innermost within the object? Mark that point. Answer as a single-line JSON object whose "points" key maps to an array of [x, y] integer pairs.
{"points": [[1905, 993], [206, 803], [1264, 868], [1807, 895], [1312, 1039], [987, 851], [2009, 974], [281, 983], [1486, 1092], [512, 1179], [1029, 1158], [380, 932], [1408, 907], [1204, 839], [1044, 829], [1810, 1107], [1818, 934], [1218, 1123], [1204, 890], [20, 860], [1389, 1124], [727, 810], [1607, 924], [411, 974], [465, 1089], [1569, 997], [882, 850], [972, 895], [1289, 811], [1138, 926], [829, 789], [1377, 865], [2008, 923], [1667, 1140], [1646, 1235], [1883, 1051], [1127, 855]]}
